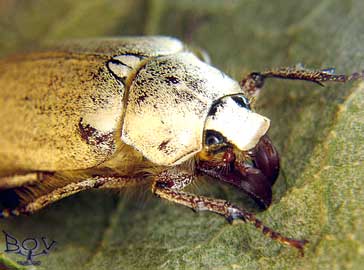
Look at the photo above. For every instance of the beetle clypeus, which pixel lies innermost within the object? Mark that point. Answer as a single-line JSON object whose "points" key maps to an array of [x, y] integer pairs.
{"points": [[111, 113]]}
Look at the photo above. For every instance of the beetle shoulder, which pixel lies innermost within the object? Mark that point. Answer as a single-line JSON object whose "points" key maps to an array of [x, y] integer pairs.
{"points": [[139, 46]]}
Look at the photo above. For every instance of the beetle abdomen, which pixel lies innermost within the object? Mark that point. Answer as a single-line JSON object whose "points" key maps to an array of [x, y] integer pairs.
{"points": [[59, 111]]}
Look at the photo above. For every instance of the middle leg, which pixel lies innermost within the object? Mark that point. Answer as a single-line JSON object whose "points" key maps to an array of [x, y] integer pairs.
{"points": [[30, 205]]}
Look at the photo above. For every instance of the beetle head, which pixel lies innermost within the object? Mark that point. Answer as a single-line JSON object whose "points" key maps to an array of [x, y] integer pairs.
{"points": [[230, 121], [237, 150]]}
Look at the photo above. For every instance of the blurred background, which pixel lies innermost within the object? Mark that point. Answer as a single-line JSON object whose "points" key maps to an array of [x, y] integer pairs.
{"points": [[318, 132]]}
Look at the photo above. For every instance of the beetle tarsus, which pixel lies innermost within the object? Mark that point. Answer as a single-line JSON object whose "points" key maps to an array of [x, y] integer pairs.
{"points": [[237, 213]]}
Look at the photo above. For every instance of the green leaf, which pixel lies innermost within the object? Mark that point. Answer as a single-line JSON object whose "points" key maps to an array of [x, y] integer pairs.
{"points": [[318, 131]]}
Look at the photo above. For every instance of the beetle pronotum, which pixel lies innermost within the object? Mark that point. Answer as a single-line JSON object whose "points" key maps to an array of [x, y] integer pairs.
{"points": [[111, 113]]}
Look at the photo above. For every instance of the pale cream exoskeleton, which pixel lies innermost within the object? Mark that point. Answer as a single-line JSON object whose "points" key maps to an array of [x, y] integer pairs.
{"points": [[116, 112]]}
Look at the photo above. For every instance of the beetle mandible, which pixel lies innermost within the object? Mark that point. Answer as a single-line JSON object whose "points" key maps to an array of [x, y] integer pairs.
{"points": [[116, 112]]}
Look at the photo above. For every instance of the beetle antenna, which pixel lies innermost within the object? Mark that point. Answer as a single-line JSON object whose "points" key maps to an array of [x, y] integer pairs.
{"points": [[320, 76], [255, 81]]}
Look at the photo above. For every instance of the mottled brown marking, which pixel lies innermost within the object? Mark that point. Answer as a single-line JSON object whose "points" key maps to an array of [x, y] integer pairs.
{"points": [[172, 80], [163, 145], [92, 136], [141, 98], [85, 131]]}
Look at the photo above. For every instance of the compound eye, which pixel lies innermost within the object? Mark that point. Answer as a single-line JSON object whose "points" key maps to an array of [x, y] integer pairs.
{"points": [[213, 138]]}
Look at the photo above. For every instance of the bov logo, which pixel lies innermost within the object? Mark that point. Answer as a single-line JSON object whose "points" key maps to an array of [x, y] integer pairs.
{"points": [[28, 248]]}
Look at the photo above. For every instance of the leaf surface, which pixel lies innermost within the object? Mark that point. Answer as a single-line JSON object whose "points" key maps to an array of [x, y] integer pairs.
{"points": [[318, 131]]}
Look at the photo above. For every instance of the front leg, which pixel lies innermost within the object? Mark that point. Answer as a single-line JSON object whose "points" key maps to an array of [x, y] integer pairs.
{"points": [[168, 185], [244, 177]]}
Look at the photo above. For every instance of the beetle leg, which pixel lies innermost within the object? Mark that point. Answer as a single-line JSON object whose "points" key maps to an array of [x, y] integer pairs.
{"points": [[245, 177], [168, 186], [255, 81], [17, 180], [99, 182]]}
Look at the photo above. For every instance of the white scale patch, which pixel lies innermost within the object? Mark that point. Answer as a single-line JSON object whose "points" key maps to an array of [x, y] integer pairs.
{"points": [[124, 65], [129, 60], [104, 119], [242, 127], [167, 107]]}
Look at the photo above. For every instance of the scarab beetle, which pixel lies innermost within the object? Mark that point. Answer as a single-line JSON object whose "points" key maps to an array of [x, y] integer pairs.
{"points": [[110, 113]]}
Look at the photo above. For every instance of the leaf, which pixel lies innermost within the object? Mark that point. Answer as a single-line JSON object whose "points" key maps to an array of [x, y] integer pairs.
{"points": [[318, 131]]}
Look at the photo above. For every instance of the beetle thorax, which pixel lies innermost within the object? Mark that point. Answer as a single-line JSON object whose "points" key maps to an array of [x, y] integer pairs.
{"points": [[167, 105]]}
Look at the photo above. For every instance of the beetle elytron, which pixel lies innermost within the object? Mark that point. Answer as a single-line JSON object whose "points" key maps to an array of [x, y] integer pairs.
{"points": [[111, 113]]}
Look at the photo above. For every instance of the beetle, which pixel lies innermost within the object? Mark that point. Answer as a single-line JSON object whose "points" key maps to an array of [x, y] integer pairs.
{"points": [[116, 112]]}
